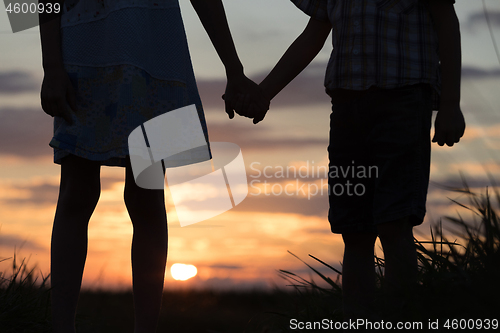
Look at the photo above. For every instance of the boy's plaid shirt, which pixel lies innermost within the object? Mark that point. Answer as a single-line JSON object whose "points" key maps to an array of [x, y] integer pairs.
{"points": [[383, 43]]}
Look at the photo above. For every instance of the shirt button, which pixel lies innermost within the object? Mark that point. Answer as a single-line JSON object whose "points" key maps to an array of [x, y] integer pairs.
{"points": [[355, 51], [356, 22]]}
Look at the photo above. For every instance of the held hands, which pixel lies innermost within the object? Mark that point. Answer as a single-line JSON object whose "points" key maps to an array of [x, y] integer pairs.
{"points": [[449, 125], [56, 90], [246, 98]]}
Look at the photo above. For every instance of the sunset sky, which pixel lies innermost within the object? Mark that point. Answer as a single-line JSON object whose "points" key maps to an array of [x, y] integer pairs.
{"points": [[244, 247]]}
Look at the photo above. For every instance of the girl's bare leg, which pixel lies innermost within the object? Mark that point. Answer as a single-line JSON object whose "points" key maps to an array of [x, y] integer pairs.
{"points": [[149, 251], [78, 195]]}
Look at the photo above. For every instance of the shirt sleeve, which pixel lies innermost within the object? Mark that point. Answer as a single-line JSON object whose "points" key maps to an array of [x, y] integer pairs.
{"points": [[317, 9]]}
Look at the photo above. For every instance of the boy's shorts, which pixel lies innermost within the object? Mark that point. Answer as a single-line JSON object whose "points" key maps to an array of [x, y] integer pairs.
{"points": [[379, 157]]}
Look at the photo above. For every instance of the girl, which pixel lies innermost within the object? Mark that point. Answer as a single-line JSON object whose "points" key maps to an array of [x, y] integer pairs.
{"points": [[117, 64]]}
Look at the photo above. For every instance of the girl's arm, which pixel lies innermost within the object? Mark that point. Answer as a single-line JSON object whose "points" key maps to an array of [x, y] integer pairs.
{"points": [[300, 54], [56, 86], [213, 18], [50, 38]]}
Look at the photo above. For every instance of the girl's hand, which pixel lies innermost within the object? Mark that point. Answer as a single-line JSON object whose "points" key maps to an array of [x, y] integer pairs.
{"points": [[57, 90]]}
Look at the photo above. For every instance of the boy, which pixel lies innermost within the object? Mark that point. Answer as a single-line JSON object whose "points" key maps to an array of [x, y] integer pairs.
{"points": [[384, 78]]}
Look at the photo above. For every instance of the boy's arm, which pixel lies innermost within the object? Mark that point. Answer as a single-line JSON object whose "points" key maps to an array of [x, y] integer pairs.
{"points": [[450, 124], [213, 18], [300, 54]]}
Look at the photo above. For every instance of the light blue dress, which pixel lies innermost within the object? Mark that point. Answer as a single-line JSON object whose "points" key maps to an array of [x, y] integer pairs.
{"points": [[129, 62]]}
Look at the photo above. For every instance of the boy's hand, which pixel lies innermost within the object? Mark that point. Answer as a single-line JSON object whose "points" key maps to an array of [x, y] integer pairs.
{"points": [[260, 113], [449, 125], [245, 97], [247, 107], [57, 90]]}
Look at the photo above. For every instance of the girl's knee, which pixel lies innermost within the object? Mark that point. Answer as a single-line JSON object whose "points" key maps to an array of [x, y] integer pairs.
{"points": [[146, 209], [139, 199], [80, 183]]}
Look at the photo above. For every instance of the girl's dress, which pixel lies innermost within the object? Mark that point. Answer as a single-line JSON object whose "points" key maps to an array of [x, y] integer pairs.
{"points": [[129, 62]]}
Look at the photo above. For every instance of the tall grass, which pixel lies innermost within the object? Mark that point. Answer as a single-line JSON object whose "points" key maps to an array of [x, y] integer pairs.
{"points": [[464, 276], [459, 270], [24, 303]]}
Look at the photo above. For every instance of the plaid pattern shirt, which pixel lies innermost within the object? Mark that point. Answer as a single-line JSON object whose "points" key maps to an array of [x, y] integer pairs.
{"points": [[382, 43]]}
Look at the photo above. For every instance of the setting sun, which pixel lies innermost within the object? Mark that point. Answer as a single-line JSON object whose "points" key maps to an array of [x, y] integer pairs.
{"points": [[182, 272]]}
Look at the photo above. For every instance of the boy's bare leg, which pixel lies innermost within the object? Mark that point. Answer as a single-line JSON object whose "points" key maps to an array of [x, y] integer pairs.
{"points": [[401, 267], [358, 275], [149, 251], [78, 196]]}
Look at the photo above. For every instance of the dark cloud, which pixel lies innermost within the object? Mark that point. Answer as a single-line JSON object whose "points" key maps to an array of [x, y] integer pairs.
{"points": [[230, 284], [479, 18], [45, 193], [316, 206], [255, 137], [17, 82], [25, 132], [283, 174], [313, 231], [222, 266], [109, 182], [478, 73], [11, 241], [305, 272], [39, 194], [454, 183]]}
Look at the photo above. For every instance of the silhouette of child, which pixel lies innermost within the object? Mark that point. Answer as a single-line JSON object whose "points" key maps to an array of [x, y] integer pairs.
{"points": [[385, 78], [117, 64]]}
